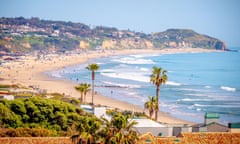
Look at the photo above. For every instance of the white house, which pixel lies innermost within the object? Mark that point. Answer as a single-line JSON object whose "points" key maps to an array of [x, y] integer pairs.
{"points": [[145, 125]]}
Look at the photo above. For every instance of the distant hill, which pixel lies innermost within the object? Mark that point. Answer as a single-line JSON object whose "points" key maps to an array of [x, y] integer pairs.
{"points": [[26, 35]]}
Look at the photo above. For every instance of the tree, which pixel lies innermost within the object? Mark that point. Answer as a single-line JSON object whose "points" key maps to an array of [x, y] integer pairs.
{"points": [[37, 112], [83, 88], [88, 127], [119, 130], [158, 77], [93, 67], [86, 89], [150, 105], [80, 88]]}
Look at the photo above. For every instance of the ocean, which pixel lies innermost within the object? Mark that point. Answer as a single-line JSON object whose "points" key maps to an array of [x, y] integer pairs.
{"points": [[197, 82]]}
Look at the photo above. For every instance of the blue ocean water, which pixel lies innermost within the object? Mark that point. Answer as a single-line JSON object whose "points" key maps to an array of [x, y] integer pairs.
{"points": [[198, 82]]}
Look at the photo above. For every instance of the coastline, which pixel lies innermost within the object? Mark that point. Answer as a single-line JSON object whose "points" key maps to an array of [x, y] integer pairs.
{"points": [[28, 71]]}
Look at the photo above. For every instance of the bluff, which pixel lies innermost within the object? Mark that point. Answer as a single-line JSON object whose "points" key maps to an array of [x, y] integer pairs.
{"points": [[186, 38], [26, 35]]}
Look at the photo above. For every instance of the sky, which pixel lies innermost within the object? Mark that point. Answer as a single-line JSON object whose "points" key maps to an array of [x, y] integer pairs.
{"points": [[216, 18]]}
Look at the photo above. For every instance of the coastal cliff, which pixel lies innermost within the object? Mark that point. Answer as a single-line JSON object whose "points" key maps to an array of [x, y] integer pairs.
{"points": [[26, 35], [186, 38]]}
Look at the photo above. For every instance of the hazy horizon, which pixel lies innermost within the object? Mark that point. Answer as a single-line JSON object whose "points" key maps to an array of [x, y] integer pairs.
{"points": [[216, 18]]}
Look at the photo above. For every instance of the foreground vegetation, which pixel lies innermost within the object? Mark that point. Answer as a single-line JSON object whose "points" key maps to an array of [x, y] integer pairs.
{"points": [[41, 117], [38, 112]]}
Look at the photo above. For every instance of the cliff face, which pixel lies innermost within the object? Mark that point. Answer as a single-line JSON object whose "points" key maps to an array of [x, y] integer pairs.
{"points": [[25, 35], [127, 43]]}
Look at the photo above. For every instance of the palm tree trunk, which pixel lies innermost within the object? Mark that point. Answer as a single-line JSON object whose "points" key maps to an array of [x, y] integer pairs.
{"points": [[84, 99], [92, 90], [157, 107], [93, 77], [81, 97]]}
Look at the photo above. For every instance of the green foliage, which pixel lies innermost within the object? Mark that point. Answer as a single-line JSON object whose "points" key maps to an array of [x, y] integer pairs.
{"points": [[38, 112], [7, 117], [74, 101], [37, 116], [83, 88], [150, 105], [119, 130], [18, 107], [158, 78], [126, 113]]}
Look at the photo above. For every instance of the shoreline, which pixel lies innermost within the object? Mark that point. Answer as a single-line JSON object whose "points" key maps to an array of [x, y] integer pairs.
{"points": [[29, 71]]}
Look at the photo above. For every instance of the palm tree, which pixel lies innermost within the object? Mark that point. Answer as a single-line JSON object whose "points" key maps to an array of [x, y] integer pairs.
{"points": [[150, 105], [86, 89], [80, 88], [119, 130], [88, 127], [93, 67], [83, 88], [158, 78], [124, 133]]}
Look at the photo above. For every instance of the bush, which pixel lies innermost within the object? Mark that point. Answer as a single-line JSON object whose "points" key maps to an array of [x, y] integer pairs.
{"points": [[42, 114]]}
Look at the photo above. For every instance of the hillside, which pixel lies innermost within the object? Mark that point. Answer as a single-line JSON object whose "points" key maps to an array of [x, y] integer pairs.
{"points": [[27, 35]]}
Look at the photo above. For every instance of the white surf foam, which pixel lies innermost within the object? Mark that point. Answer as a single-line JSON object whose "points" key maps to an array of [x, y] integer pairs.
{"points": [[168, 105], [131, 60], [198, 109], [196, 94], [226, 88], [138, 56], [121, 85], [144, 55], [107, 70], [128, 75], [173, 83], [191, 100], [144, 69], [220, 106], [208, 87]]}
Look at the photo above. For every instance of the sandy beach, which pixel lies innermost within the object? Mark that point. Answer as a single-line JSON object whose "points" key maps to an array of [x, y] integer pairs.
{"points": [[29, 70]]}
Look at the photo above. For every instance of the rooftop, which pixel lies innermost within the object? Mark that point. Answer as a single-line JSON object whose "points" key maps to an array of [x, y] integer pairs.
{"points": [[143, 122], [210, 115], [234, 125]]}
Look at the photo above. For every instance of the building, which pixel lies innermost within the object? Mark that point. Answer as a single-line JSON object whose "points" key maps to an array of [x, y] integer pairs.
{"points": [[234, 127], [211, 124], [145, 125], [178, 128], [211, 118], [99, 112]]}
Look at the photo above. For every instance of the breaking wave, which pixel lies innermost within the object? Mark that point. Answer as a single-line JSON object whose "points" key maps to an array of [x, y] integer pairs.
{"points": [[173, 83], [128, 75], [131, 60], [226, 88], [121, 85], [191, 100]]}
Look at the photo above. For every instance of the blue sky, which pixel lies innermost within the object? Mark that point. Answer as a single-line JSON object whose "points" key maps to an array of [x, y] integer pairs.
{"points": [[216, 18]]}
